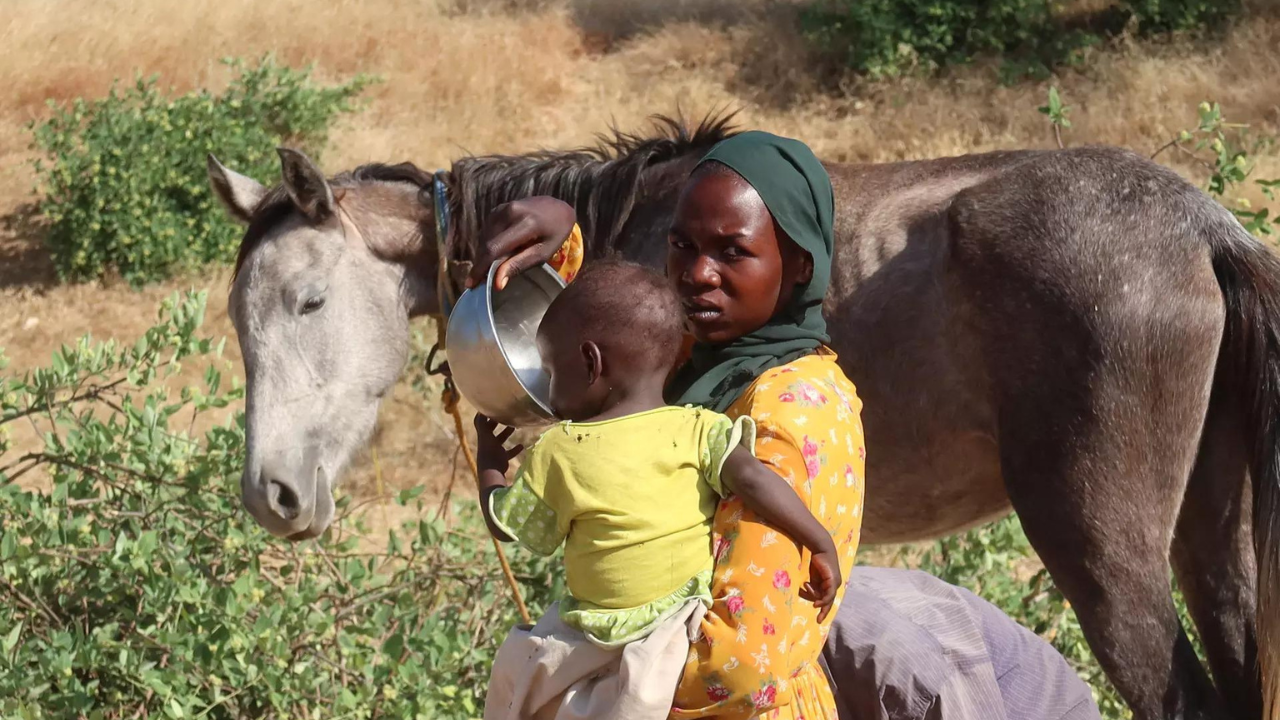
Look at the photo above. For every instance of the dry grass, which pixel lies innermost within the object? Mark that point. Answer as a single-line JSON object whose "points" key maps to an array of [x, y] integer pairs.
{"points": [[465, 77]]}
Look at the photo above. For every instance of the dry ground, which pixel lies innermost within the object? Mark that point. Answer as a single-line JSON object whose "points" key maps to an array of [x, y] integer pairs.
{"points": [[506, 76]]}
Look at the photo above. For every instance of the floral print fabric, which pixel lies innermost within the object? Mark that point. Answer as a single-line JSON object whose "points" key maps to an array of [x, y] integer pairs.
{"points": [[568, 259], [757, 656]]}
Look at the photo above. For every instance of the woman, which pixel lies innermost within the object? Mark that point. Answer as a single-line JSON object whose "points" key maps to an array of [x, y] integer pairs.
{"points": [[750, 254]]}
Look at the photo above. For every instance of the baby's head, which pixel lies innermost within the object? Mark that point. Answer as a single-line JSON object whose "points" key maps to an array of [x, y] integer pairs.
{"points": [[617, 326]]}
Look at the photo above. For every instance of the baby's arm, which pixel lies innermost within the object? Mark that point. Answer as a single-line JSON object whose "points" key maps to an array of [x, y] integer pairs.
{"points": [[767, 495], [515, 511], [492, 459]]}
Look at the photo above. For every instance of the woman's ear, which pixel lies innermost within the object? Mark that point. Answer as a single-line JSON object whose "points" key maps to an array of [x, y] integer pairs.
{"points": [[594, 361], [806, 269]]}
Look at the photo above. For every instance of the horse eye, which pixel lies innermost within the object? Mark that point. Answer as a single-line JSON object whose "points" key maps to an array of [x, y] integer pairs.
{"points": [[312, 304]]}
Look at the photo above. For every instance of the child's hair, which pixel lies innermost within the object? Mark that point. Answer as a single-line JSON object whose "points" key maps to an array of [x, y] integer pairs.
{"points": [[626, 309]]}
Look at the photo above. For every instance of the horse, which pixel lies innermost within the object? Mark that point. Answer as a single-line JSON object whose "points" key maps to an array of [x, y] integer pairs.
{"points": [[1079, 335]]}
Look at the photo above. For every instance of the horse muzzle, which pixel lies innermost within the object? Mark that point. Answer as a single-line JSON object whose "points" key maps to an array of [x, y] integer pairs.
{"points": [[290, 500]]}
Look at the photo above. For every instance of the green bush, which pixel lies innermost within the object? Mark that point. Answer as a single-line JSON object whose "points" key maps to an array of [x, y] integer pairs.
{"points": [[1163, 16], [122, 179], [1231, 150], [888, 38], [134, 584]]}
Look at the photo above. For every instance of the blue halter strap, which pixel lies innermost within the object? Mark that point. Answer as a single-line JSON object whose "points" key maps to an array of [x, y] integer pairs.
{"points": [[444, 289]]}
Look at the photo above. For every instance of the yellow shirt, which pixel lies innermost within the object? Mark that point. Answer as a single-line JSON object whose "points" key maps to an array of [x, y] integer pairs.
{"points": [[632, 499]]}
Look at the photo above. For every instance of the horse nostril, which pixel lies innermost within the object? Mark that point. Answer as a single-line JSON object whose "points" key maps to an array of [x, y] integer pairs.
{"points": [[284, 501]]}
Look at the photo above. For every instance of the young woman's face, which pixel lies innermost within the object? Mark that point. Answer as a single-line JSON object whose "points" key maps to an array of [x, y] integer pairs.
{"points": [[733, 268]]}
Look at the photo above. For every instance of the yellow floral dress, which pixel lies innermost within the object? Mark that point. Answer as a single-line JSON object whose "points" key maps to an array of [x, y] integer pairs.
{"points": [[757, 656], [568, 259], [760, 641]]}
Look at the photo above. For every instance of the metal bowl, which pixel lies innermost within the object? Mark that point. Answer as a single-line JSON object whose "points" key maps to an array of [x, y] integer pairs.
{"points": [[491, 343]]}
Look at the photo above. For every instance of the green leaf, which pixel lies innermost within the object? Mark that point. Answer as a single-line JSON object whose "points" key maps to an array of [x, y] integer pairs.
{"points": [[11, 639], [394, 646], [59, 362], [409, 493]]}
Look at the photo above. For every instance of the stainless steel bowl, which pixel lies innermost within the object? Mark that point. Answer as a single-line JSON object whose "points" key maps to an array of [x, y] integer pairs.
{"points": [[492, 347]]}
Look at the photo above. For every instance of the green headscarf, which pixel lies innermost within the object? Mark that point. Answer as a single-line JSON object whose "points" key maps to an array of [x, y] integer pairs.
{"points": [[797, 190]]}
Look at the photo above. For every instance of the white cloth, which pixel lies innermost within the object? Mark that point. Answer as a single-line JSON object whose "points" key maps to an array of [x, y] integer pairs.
{"points": [[553, 672]]}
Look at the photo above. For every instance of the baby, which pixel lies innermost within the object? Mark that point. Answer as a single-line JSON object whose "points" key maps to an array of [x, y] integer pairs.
{"points": [[627, 483]]}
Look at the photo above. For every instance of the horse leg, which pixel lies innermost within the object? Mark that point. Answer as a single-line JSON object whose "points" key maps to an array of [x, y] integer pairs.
{"points": [[1097, 448], [1104, 537], [1213, 557], [1098, 325], [1097, 442]]}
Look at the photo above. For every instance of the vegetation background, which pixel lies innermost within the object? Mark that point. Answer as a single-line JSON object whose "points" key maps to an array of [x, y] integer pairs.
{"points": [[131, 585]]}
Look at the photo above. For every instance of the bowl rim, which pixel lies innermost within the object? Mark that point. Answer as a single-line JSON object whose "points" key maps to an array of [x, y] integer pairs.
{"points": [[493, 325]]}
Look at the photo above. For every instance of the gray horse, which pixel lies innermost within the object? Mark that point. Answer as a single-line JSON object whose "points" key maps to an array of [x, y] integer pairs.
{"points": [[1080, 335]]}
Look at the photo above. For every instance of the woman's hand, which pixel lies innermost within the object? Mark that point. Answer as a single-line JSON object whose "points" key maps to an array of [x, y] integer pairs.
{"points": [[521, 235], [824, 579], [492, 454]]}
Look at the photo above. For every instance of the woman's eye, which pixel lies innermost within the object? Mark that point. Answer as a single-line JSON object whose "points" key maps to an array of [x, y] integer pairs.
{"points": [[734, 252], [312, 304], [678, 243]]}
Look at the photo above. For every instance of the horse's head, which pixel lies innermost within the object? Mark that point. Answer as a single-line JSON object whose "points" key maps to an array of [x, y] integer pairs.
{"points": [[328, 275]]}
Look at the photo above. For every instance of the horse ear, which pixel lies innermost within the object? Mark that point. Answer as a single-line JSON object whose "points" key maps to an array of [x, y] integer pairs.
{"points": [[306, 185], [239, 194]]}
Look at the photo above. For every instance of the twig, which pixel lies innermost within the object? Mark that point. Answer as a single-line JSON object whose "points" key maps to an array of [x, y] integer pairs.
{"points": [[1164, 147], [227, 698], [1207, 165], [91, 394], [443, 508], [332, 568], [14, 476], [367, 600], [377, 478], [158, 645], [32, 605], [276, 583], [63, 556], [357, 507], [1176, 144], [328, 662]]}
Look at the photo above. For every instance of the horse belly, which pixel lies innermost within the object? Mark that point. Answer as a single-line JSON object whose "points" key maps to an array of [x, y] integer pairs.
{"points": [[932, 490], [933, 463], [903, 338]]}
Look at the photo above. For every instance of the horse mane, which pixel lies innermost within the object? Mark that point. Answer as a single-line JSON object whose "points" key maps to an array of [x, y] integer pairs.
{"points": [[601, 181]]}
